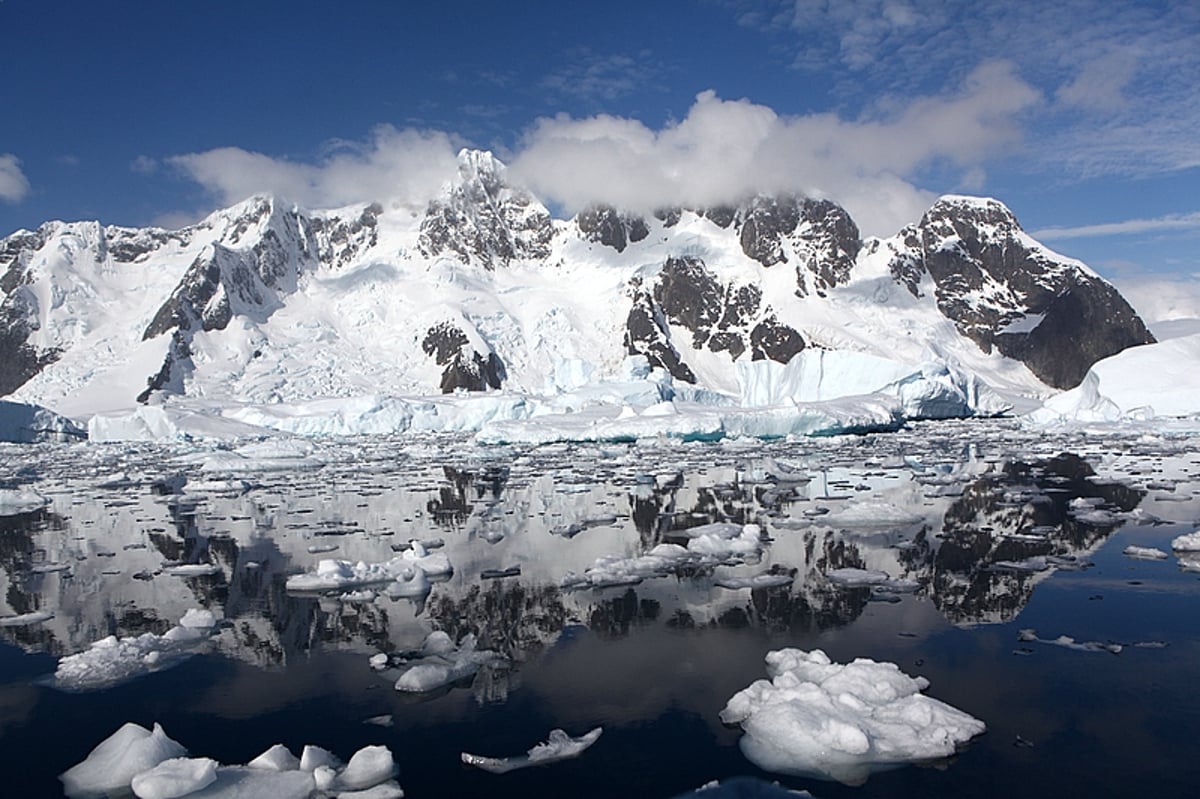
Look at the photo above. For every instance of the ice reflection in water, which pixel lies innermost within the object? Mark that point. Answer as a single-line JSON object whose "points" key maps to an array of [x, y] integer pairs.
{"points": [[977, 528]]}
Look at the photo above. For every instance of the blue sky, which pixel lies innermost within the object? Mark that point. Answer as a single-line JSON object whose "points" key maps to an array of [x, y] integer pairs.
{"points": [[1081, 115]]}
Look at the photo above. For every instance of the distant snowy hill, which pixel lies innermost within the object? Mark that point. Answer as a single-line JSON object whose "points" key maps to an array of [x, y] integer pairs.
{"points": [[263, 311]]}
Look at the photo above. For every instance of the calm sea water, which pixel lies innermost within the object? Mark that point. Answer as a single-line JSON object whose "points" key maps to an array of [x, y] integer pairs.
{"points": [[964, 509]]}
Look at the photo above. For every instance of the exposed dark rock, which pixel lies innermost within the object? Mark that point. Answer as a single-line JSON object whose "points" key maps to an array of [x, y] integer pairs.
{"points": [[608, 226], [771, 340], [647, 333], [341, 241], [20, 360], [464, 367], [691, 296], [170, 377], [721, 215], [668, 216], [765, 221], [827, 242], [1001, 292], [485, 221]]}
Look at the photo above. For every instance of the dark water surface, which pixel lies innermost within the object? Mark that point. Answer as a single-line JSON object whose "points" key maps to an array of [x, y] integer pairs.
{"points": [[963, 509]]}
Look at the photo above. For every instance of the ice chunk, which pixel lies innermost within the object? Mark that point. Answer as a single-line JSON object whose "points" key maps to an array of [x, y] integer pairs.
{"points": [[114, 660], [197, 618], [832, 721], [1189, 542], [20, 500], [24, 423], [1144, 553], [402, 570], [708, 545], [176, 777], [240, 782], [856, 578], [368, 766], [435, 670], [385, 790], [558, 746], [112, 765], [1067, 642], [277, 758], [26, 619], [314, 757]]}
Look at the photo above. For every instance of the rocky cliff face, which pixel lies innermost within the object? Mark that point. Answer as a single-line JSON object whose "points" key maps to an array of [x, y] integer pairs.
{"points": [[1004, 291]]}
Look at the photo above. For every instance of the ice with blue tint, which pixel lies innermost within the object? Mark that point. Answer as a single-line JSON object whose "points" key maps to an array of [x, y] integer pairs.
{"points": [[557, 746]]}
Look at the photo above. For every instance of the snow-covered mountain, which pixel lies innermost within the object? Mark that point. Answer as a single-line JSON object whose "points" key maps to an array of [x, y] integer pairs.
{"points": [[762, 302]]}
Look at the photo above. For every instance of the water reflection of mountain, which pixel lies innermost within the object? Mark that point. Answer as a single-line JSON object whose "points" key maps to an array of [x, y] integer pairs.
{"points": [[961, 527]]}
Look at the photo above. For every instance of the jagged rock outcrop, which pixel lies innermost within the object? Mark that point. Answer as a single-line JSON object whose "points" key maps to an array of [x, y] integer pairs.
{"points": [[483, 220], [1004, 291], [606, 225], [687, 296], [464, 366]]}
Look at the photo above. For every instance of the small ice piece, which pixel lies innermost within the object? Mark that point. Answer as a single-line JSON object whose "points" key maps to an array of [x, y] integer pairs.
{"points": [[112, 765], [197, 618], [385, 790], [368, 766], [26, 619], [755, 582], [316, 549], [841, 722], [192, 570], [379, 661], [114, 660], [277, 758], [1067, 642], [558, 746], [324, 777], [176, 777], [21, 500], [1189, 542], [385, 720], [440, 668], [1144, 553], [314, 757], [882, 581]]}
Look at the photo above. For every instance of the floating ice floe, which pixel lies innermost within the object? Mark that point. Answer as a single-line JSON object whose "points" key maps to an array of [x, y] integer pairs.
{"points": [[558, 746], [1144, 553], [841, 722], [155, 767], [1189, 542], [409, 573], [440, 663], [1067, 642], [858, 578], [708, 545], [14, 501], [26, 619], [115, 660], [754, 582]]}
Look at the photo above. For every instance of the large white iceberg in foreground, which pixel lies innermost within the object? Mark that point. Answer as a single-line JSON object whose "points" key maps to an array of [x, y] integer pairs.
{"points": [[832, 721], [114, 763]]}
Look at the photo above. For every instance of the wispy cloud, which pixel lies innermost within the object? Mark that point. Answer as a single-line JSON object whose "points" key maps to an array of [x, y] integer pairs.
{"points": [[14, 186], [1128, 227], [593, 76], [1122, 77]]}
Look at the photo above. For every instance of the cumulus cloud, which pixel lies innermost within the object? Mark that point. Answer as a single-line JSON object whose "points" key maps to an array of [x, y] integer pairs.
{"points": [[1162, 300], [725, 149], [405, 165], [13, 183]]}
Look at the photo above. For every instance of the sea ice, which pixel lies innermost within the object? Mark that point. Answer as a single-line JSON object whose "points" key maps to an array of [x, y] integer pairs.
{"points": [[841, 722], [1189, 542], [369, 766], [14, 501], [1144, 553], [708, 545], [26, 619], [558, 746], [118, 759], [1067, 642], [178, 776], [857, 578], [277, 758], [114, 660], [333, 574], [439, 667]]}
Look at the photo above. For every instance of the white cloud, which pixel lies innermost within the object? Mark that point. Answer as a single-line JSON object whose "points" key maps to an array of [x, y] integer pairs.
{"points": [[725, 149], [1162, 299], [1124, 228], [406, 165], [1100, 85], [14, 186]]}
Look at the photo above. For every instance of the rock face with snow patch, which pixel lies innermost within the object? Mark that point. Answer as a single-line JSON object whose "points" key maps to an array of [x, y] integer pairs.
{"points": [[484, 221], [465, 367], [1004, 291]]}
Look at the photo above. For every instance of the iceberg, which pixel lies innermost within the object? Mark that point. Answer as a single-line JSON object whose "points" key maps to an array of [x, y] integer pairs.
{"points": [[24, 423], [409, 572], [558, 746], [441, 664], [113, 660], [120, 757], [840, 722], [1189, 542], [15, 501], [178, 776]]}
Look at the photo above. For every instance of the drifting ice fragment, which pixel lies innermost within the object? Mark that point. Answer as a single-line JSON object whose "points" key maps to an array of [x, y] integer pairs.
{"points": [[558, 746], [1187, 543], [21, 500], [1145, 553], [1067, 642], [439, 666], [176, 777], [277, 758], [26, 619], [118, 759], [841, 722]]}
